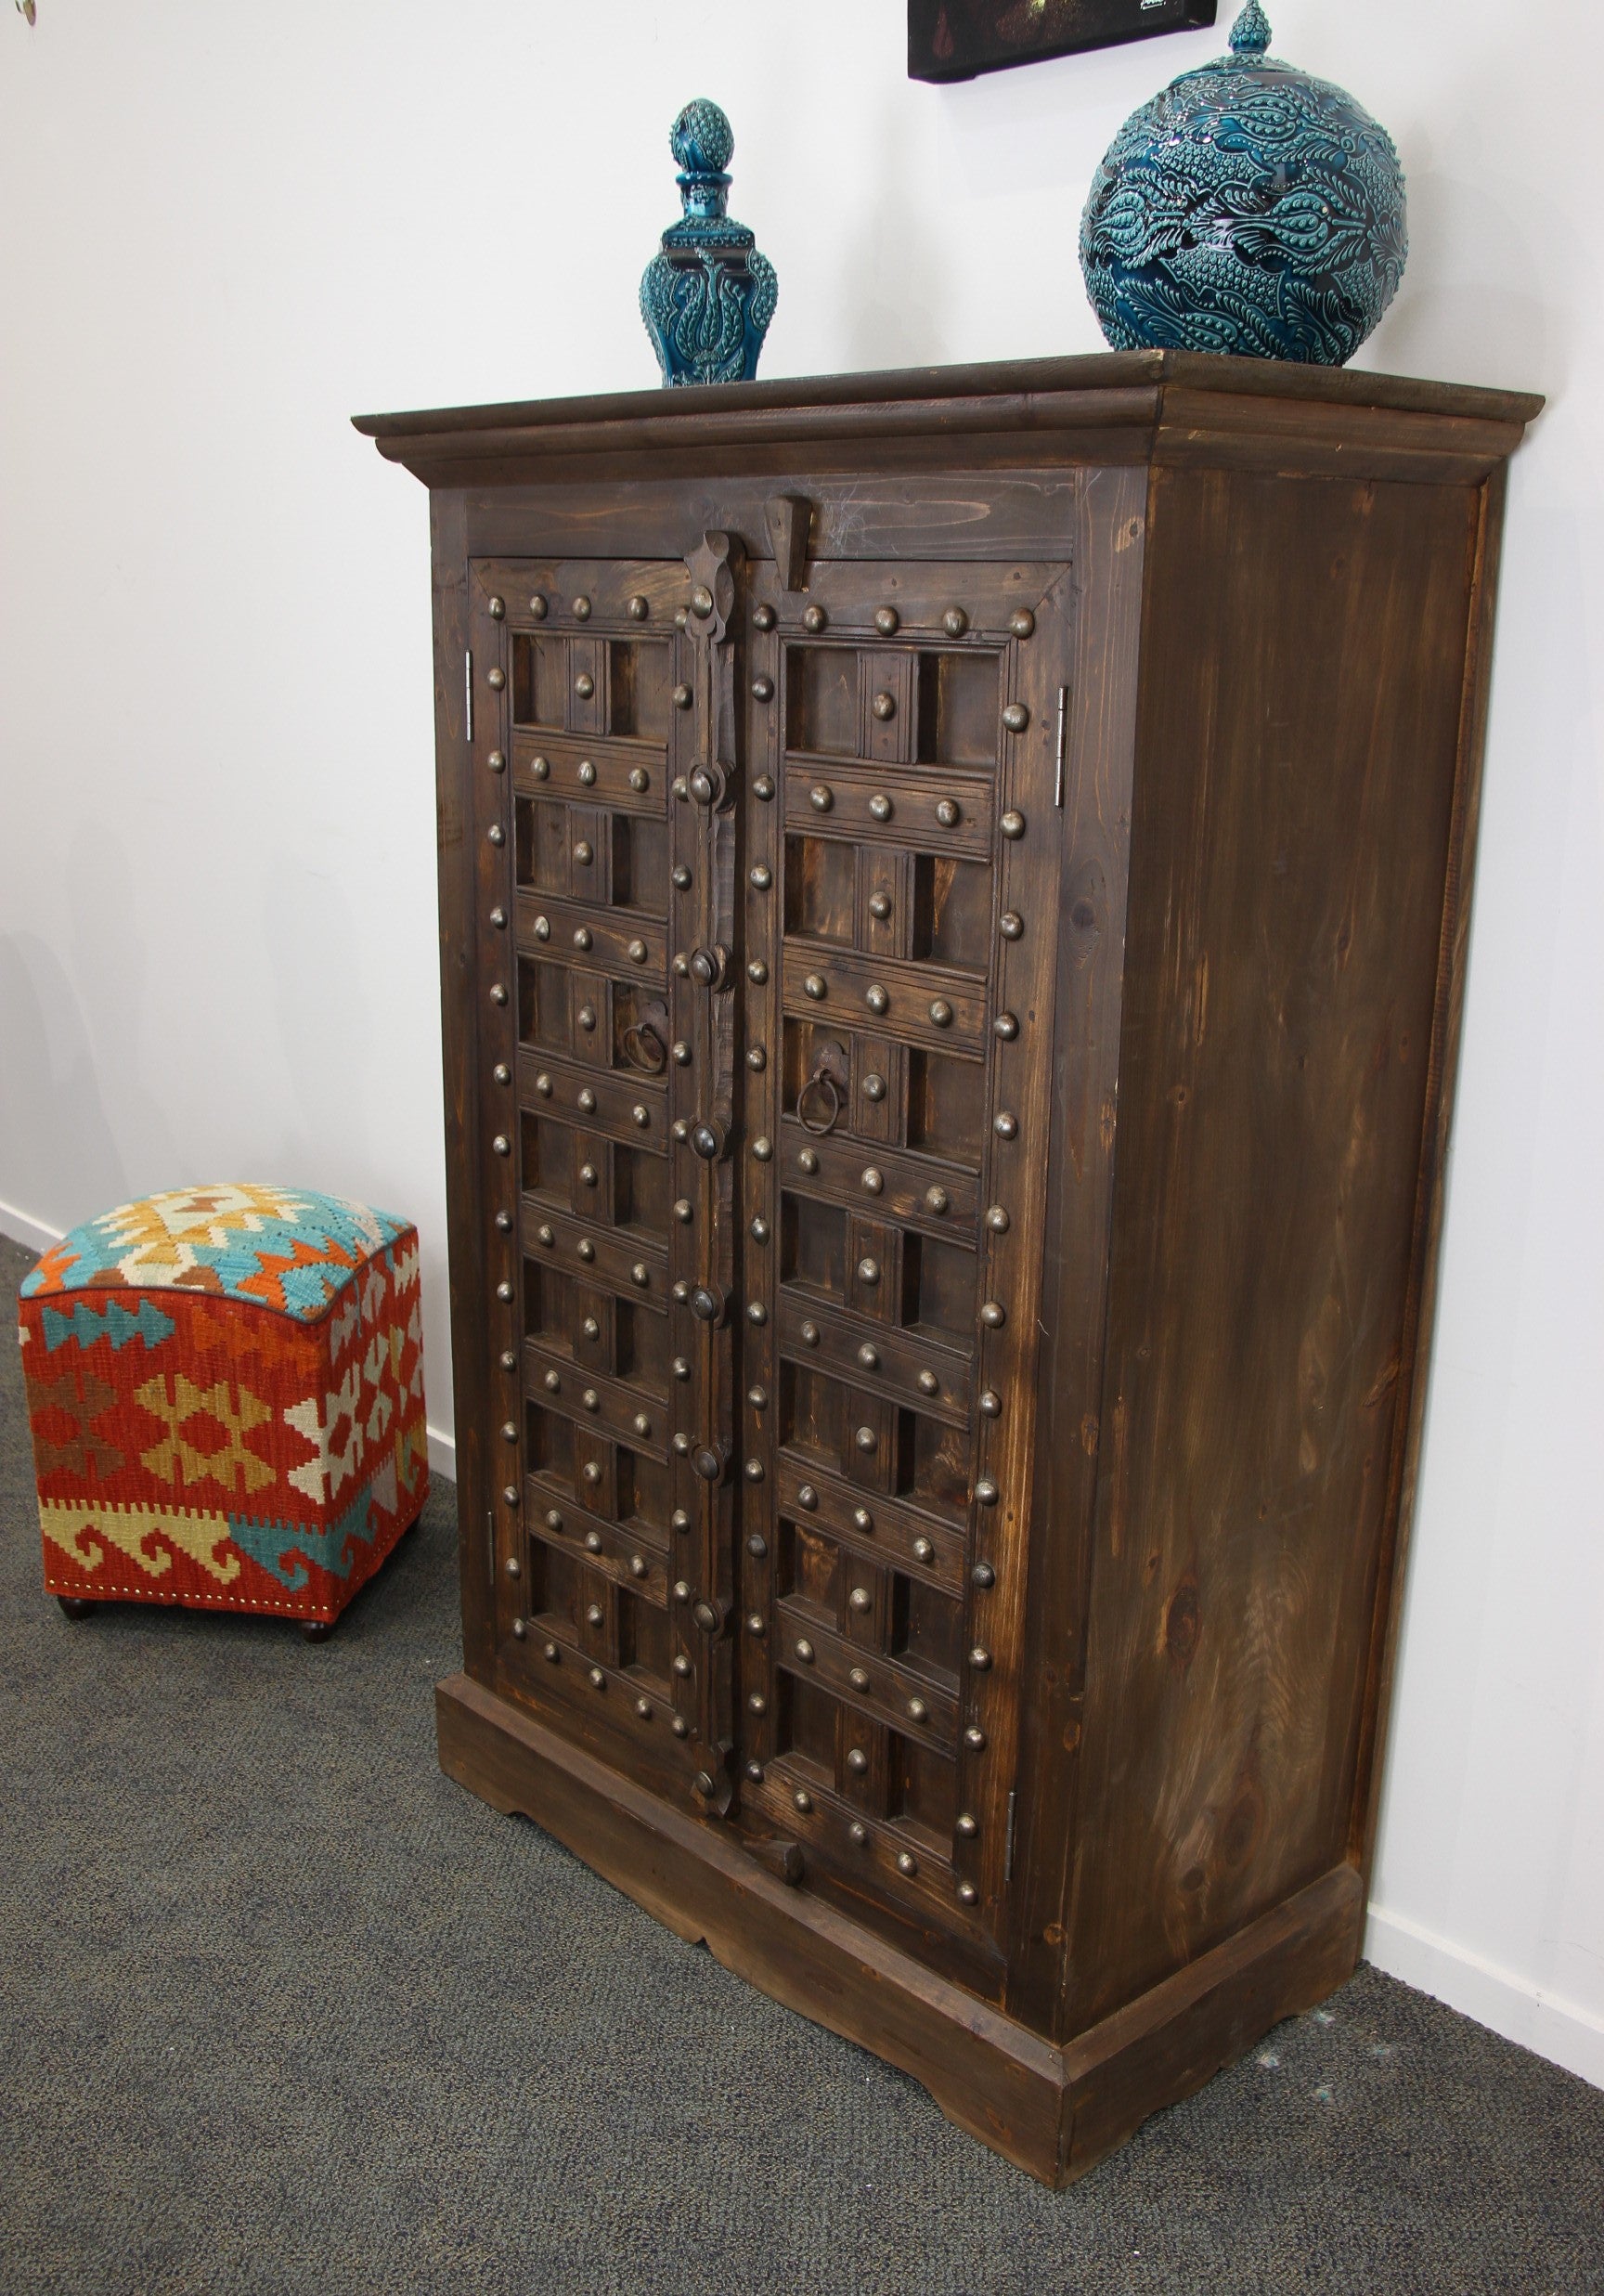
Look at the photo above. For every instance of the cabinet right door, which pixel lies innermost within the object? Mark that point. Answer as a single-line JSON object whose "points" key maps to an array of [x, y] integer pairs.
{"points": [[904, 786]]}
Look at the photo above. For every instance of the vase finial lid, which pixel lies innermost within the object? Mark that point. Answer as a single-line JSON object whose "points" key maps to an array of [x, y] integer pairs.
{"points": [[1250, 32]]}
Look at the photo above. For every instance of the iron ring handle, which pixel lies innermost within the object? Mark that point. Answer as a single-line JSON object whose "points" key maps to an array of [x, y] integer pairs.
{"points": [[821, 1081], [637, 1038]]}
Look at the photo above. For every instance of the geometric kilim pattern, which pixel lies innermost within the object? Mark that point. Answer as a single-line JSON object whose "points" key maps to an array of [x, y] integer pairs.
{"points": [[226, 1393]]}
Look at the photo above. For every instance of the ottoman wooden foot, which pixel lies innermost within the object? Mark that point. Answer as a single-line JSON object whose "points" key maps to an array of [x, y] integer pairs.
{"points": [[317, 1630], [76, 1606]]}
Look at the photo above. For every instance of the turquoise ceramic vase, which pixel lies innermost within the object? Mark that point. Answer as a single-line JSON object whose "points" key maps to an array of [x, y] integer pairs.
{"points": [[708, 295], [1247, 209]]}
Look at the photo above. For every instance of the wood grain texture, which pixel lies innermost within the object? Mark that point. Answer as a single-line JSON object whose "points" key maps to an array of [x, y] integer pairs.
{"points": [[1303, 667]]}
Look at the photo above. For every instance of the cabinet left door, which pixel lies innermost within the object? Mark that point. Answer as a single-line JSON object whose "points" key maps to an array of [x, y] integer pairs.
{"points": [[607, 1541]]}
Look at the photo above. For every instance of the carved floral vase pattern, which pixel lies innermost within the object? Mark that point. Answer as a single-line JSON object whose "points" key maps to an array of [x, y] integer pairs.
{"points": [[707, 295], [1248, 209]]}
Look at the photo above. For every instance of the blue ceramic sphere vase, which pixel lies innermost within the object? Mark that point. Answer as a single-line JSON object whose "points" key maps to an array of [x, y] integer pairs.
{"points": [[707, 295], [1247, 209]]}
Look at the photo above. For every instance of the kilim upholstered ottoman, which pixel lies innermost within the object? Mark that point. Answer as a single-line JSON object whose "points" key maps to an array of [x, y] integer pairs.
{"points": [[225, 1390]]}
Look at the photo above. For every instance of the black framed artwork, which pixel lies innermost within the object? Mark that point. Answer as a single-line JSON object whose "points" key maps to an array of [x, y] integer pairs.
{"points": [[955, 39]]}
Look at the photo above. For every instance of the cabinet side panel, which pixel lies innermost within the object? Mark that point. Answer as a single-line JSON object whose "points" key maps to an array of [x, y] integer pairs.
{"points": [[1304, 665], [458, 1015]]}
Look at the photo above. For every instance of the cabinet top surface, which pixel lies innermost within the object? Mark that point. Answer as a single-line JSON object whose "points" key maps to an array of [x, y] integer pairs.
{"points": [[1144, 395]]}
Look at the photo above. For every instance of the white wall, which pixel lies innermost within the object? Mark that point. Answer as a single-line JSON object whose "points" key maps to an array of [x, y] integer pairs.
{"points": [[224, 228]]}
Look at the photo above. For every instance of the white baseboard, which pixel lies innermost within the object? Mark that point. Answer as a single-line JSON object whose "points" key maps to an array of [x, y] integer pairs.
{"points": [[23, 1228], [442, 1454], [1561, 2030]]}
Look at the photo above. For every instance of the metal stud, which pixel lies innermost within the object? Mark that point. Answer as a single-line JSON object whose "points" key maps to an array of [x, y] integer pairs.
{"points": [[540, 768], [821, 797], [680, 1053], [640, 780], [857, 1760], [681, 1367], [496, 834], [763, 618], [595, 1615], [514, 1568], [808, 1161], [880, 805], [878, 998], [639, 609], [643, 1708], [983, 1575], [758, 1704], [504, 1293], [519, 1627], [803, 1799], [680, 1520], [498, 993], [554, 1519], [763, 786], [757, 1397], [857, 1832], [975, 1739], [762, 689], [1023, 624], [591, 1329], [546, 1234], [1012, 825], [1006, 1125], [993, 1315], [868, 1271], [757, 972], [754, 1623], [757, 1058], [859, 1678], [948, 813], [496, 762], [502, 1146], [498, 919], [928, 1383], [504, 1223], [907, 1863], [991, 1405], [510, 1494], [509, 1360], [587, 774], [814, 618], [954, 621], [682, 697], [967, 1893], [755, 1771], [584, 852], [806, 1498], [509, 1431], [809, 1334], [582, 938], [874, 1086], [592, 1473], [759, 1230], [861, 1600], [816, 986], [702, 602], [538, 607], [986, 1492], [762, 1149], [501, 1073], [869, 1357], [937, 1201], [761, 877], [879, 904], [923, 1550], [886, 621], [757, 1313], [585, 686], [680, 1727], [997, 1220], [873, 1180], [885, 707], [862, 1521], [1016, 717], [804, 1651], [589, 1175], [753, 1471], [940, 1014], [586, 1249], [591, 1399], [641, 1115], [981, 1659], [681, 877], [542, 928], [1006, 1026], [598, 1680], [917, 1710], [581, 609], [497, 679]]}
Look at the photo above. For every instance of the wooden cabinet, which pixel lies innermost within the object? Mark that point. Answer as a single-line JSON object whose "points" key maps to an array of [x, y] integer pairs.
{"points": [[953, 910]]}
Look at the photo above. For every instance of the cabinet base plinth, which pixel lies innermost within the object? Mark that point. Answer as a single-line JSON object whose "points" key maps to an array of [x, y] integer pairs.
{"points": [[1055, 2112]]}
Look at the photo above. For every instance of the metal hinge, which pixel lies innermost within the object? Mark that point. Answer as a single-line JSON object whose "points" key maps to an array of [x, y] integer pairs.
{"points": [[1063, 741], [1008, 1849], [467, 689]]}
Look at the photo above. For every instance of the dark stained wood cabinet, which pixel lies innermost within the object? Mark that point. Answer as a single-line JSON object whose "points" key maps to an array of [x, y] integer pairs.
{"points": [[953, 898]]}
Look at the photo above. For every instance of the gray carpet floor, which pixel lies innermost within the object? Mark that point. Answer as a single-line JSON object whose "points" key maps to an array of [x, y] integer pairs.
{"points": [[283, 2010]]}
